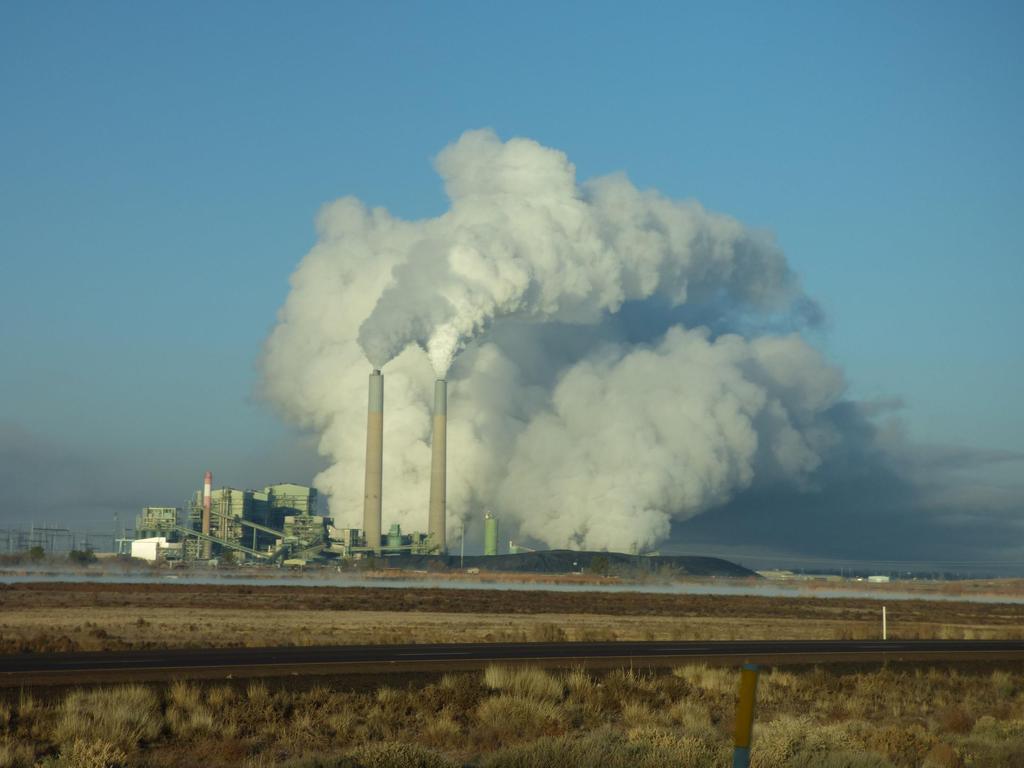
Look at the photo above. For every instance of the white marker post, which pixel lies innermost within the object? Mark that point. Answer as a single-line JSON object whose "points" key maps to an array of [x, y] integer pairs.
{"points": [[885, 633]]}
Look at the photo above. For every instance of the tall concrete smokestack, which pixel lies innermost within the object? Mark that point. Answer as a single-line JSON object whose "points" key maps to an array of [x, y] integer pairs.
{"points": [[374, 461], [207, 494], [438, 468]]}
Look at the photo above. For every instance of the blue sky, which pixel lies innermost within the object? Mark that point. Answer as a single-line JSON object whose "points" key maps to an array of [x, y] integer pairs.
{"points": [[161, 166]]}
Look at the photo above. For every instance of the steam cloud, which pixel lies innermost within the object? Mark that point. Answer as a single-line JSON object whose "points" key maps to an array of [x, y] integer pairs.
{"points": [[610, 352]]}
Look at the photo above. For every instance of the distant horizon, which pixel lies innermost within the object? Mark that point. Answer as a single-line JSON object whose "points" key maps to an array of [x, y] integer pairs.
{"points": [[798, 564]]}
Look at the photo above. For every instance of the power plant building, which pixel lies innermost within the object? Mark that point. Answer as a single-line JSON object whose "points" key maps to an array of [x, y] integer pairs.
{"points": [[156, 521], [261, 524], [280, 522], [290, 499]]}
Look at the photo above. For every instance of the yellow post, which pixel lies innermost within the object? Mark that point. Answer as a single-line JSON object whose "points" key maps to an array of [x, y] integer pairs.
{"points": [[745, 716]]}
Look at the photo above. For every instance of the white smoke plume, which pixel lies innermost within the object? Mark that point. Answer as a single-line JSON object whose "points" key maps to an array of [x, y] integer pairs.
{"points": [[560, 421], [523, 239]]}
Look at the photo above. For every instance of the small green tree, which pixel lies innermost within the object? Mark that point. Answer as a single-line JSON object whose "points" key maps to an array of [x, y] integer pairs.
{"points": [[82, 556], [599, 565], [36, 553]]}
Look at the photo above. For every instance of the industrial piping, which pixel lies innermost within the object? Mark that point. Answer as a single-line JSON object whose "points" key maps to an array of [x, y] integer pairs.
{"points": [[374, 462], [438, 459]]}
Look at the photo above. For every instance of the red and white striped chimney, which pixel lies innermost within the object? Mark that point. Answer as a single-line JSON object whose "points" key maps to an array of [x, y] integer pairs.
{"points": [[207, 492]]}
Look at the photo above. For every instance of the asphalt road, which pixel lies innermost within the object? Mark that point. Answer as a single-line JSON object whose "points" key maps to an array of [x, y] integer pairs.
{"points": [[247, 662]]}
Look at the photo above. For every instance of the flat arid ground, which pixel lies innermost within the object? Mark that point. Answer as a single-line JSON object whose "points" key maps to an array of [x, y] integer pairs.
{"points": [[83, 616]]}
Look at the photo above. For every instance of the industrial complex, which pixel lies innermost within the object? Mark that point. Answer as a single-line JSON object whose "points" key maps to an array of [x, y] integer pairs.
{"points": [[281, 524]]}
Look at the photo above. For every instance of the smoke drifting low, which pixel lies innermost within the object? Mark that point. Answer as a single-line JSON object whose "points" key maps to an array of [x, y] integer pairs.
{"points": [[610, 352]]}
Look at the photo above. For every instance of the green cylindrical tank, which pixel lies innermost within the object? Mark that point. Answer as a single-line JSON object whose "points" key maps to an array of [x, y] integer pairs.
{"points": [[395, 536], [490, 535]]}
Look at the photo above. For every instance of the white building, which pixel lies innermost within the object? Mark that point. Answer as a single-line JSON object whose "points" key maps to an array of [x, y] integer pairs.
{"points": [[149, 549]]}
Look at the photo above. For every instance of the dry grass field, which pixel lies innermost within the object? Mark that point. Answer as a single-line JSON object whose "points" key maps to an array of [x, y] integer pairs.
{"points": [[94, 616], [896, 716], [951, 716]]}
